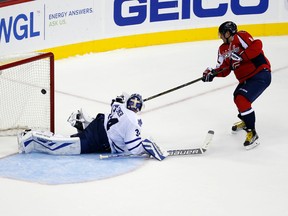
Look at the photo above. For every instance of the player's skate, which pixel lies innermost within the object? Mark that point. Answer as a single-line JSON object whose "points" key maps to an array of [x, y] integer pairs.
{"points": [[238, 126], [80, 120], [252, 139], [25, 141]]}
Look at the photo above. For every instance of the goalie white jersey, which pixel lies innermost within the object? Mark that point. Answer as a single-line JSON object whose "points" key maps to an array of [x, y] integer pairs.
{"points": [[123, 128], [117, 132]]}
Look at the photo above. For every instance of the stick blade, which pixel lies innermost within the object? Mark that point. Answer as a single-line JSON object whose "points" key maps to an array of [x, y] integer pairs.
{"points": [[208, 140]]}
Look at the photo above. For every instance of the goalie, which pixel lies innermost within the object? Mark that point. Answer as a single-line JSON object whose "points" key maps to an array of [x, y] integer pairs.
{"points": [[118, 132]]}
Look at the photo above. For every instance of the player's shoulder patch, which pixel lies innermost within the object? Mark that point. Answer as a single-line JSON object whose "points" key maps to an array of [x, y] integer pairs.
{"points": [[140, 122]]}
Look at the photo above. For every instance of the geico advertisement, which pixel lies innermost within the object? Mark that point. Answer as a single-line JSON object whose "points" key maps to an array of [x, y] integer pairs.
{"points": [[39, 25], [155, 15]]}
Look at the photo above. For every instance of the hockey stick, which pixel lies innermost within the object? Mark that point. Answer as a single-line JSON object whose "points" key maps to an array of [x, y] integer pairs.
{"points": [[181, 86], [194, 151], [200, 150], [124, 156]]}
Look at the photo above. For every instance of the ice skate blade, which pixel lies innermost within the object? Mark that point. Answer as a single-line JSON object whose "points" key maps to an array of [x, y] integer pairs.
{"points": [[253, 145]]}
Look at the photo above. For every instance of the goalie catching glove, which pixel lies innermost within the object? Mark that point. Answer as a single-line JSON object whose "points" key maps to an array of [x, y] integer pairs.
{"points": [[153, 150], [118, 99]]}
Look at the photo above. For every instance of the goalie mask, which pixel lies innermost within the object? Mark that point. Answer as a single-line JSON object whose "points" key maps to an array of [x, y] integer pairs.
{"points": [[135, 103]]}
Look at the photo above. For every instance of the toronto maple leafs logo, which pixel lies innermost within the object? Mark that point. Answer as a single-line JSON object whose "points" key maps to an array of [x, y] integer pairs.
{"points": [[140, 122]]}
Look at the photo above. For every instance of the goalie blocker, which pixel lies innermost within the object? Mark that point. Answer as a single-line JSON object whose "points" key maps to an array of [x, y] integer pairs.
{"points": [[153, 150]]}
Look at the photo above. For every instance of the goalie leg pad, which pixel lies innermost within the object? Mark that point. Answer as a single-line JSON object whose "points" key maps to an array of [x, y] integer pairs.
{"points": [[47, 142], [153, 150]]}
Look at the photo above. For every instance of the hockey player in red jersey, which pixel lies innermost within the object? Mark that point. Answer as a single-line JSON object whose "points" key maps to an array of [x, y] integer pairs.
{"points": [[243, 55]]}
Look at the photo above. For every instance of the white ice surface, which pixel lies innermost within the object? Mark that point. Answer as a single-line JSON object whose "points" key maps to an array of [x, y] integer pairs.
{"points": [[226, 181]]}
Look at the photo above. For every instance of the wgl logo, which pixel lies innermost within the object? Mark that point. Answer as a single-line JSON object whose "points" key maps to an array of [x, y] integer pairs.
{"points": [[20, 27], [139, 10]]}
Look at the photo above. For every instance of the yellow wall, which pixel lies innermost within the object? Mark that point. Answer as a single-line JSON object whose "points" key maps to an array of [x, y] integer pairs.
{"points": [[273, 29]]}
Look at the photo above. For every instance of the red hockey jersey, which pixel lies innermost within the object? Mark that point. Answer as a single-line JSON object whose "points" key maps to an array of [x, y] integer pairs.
{"points": [[250, 51]]}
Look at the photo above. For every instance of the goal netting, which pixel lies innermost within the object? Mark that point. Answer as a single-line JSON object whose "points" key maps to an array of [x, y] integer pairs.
{"points": [[26, 92]]}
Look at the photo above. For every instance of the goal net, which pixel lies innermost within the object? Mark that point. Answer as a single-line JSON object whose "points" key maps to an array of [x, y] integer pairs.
{"points": [[26, 93]]}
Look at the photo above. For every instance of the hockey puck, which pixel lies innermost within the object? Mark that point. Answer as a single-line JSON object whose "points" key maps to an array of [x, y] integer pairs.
{"points": [[43, 91]]}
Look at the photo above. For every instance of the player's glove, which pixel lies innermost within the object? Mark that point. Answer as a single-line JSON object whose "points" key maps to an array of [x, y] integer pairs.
{"points": [[119, 99], [208, 75], [235, 60], [152, 149]]}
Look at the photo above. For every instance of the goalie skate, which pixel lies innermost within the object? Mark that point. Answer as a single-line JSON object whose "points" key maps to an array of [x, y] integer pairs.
{"points": [[238, 126], [76, 121], [80, 120]]}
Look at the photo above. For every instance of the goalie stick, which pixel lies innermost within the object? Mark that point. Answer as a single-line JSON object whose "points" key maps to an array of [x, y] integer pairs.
{"points": [[194, 151], [200, 150]]}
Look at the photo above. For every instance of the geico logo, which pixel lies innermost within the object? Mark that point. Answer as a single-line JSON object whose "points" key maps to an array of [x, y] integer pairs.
{"points": [[127, 12], [20, 27]]}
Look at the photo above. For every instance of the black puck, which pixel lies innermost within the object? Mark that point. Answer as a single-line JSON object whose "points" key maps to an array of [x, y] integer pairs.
{"points": [[43, 91]]}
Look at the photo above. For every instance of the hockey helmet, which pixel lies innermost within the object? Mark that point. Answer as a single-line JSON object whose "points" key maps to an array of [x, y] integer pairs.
{"points": [[228, 26], [135, 103]]}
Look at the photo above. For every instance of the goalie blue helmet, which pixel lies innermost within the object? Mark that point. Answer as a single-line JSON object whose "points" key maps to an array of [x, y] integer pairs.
{"points": [[135, 103]]}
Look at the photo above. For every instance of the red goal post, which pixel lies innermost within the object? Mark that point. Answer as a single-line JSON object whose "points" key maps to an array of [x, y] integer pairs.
{"points": [[5, 3], [26, 92]]}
